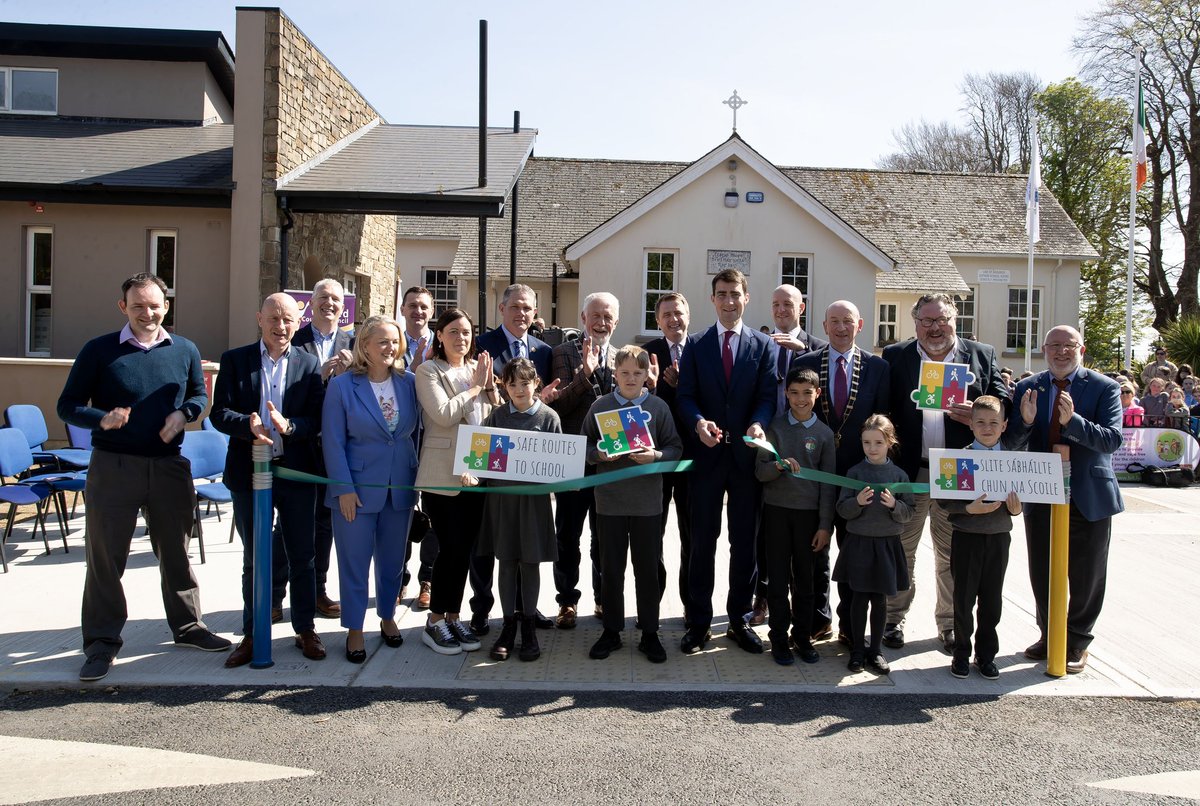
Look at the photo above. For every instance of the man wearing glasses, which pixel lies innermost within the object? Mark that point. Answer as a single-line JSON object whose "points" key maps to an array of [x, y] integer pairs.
{"points": [[919, 430], [1074, 406]]}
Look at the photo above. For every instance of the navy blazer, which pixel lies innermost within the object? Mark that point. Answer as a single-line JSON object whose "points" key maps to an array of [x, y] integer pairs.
{"points": [[359, 447], [905, 364], [237, 395], [748, 397], [1093, 434], [661, 350], [497, 346], [874, 384]]}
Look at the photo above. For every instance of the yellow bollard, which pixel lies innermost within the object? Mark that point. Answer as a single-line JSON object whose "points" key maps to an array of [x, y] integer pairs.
{"points": [[1060, 539]]}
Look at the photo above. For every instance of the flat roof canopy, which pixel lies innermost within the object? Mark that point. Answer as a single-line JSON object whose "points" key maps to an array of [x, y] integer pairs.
{"points": [[411, 170]]}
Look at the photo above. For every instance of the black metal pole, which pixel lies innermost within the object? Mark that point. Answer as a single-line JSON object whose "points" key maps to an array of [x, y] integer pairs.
{"points": [[554, 294], [283, 243], [482, 172], [482, 274], [512, 244]]}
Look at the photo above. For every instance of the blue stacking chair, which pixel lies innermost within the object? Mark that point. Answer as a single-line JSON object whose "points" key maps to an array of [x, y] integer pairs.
{"points": [[206, 451], [28, 419], [16, 460]]}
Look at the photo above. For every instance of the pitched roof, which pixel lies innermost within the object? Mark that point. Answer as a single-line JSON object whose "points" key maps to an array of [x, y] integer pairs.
{"points": [[76, 158], [919, 219]]}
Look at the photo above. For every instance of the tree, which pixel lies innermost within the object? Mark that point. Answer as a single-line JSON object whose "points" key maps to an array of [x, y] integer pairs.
{"points": [[935, 147], [998, 107], [1169, 31]]}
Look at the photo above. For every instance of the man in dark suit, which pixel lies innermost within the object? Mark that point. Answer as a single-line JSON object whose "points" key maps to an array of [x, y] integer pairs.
{"points": [[269, 394], [323, 338], [726, 390], [934, 318], [512, 339], [673, 316], [1073, 406], [584, 370], [854, 385]]}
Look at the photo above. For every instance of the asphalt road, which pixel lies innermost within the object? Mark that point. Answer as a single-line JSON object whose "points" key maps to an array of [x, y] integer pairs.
{"points": [[398, 746]]}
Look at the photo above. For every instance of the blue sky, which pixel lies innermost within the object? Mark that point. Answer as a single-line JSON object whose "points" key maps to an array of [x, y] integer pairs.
{"points": [[826, 85]]}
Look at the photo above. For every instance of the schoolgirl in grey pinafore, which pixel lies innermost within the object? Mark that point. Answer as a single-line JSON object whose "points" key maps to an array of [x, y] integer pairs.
{"points": [[871, 559]]}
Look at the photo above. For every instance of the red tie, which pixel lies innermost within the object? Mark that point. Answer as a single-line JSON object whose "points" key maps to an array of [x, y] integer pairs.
{"points": [[1063, 385], [727, 356], [839, 388]]}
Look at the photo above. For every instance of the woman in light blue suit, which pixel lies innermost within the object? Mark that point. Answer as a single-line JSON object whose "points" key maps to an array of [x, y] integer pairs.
{"points": [[368, 430]]}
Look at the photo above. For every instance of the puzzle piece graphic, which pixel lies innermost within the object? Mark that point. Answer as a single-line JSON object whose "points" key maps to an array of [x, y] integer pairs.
{"points": [[477, 458], [498, 455], [946, 479], [966, 473], [636, 432], [624, 430], [942, 385], [612, 444]]}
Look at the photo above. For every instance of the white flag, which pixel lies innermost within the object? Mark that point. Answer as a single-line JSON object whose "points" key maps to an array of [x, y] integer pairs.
{"points": [[1032, 207]]}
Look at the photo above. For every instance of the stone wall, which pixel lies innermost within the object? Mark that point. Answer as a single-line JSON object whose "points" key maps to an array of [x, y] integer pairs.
{"points": [[309, 106]]}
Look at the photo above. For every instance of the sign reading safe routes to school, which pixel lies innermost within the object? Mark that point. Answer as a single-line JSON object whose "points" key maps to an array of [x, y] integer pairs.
{"points": [[502, 453], [1036, 478]]}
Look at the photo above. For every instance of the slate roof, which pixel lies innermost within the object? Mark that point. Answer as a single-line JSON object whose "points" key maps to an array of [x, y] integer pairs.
{"points": [[917, 218], [396, 164], [79, 157]]}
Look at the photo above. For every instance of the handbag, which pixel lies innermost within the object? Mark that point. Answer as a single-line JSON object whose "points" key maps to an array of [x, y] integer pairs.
{"points": [[419, 526], [1172, 476]]}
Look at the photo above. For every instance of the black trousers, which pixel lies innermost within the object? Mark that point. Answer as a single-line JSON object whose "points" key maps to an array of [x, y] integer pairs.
{"points": [[292, 544], [1087, 570], [675, 485], [977, 565], [427, 554], [572, 509], [623, 537], [822, 573], [709, 486], [787, 538], [456, 520]]}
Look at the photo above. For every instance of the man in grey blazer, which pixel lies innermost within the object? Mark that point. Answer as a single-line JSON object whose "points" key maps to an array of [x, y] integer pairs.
{"points": [[1077, 407]]}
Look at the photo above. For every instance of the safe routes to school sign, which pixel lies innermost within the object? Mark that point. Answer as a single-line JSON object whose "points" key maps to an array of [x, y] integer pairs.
{"points": [[624, 430], [1037, 478], [501, 453], [942, 385]]}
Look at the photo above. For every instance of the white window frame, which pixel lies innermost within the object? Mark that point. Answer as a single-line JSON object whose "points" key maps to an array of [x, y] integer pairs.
{"points": [[1037, 321], [6, 76], [646, 314], [806, 287], [445, 294], [350, 284], [892, 322], [39, 289], [972, 298], [172, 320]]}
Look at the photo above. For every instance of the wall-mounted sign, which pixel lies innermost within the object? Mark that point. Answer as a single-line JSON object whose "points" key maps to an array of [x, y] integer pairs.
{"points": [[304, 300], [994, 276], [721, 259], [754, 197]]}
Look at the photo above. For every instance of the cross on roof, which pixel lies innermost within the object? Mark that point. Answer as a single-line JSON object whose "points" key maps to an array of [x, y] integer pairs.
{"points": [[735, 102]]}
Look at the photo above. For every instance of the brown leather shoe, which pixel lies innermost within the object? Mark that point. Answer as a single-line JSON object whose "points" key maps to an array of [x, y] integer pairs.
{"points": [[566, 617], [759, 616], [276, 615], [1036, 651], [310, 644], [423, 597], [1076, 660], [242, 654], [327, 607]]}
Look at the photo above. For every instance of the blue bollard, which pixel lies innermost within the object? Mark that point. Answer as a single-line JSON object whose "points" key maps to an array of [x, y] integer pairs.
{"points": [[263, 516]]}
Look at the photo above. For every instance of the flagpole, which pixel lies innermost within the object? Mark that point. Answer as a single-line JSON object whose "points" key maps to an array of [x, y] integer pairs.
{"points": [[1133, 188], [1032, 225]]}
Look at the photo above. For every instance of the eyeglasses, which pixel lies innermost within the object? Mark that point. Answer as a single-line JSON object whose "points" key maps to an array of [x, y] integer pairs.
{"points": [[1065, 346], [941, 320], [1127, 391]]}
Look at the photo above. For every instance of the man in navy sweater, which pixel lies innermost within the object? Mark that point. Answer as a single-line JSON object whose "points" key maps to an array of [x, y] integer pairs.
{"points": [[136, 390]]}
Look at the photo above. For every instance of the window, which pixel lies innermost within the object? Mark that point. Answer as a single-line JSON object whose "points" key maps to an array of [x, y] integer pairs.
{"points": [[28, 90], [965, 321], [162, 265], [443, 289], [1015, 336], [888, 333], [660, 279], [39, 262], [351, 284], [793, 269]]}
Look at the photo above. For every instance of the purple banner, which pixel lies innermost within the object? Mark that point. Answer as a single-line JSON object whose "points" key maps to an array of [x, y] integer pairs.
{"points": [[304, 300]]}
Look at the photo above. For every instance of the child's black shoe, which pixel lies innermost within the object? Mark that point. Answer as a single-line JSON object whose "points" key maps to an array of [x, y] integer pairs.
{"points": [[879, 664], [988, 669], [856, 664], [959, 668], [782, 653]]}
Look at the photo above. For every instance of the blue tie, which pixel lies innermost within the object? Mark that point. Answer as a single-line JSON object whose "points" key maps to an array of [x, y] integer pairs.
{"points": [[517, 345]]}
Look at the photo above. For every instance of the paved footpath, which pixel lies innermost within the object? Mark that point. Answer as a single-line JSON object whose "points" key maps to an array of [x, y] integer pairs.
{"points": [[1143, 648]]}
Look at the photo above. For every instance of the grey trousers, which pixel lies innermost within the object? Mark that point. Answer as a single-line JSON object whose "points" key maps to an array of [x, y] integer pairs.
{"points": [[910, 538], [118, 485]]}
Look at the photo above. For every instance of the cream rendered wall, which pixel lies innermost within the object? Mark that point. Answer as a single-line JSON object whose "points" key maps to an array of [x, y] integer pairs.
{"points": [[695, 220], [413, 254], [216, 108]]}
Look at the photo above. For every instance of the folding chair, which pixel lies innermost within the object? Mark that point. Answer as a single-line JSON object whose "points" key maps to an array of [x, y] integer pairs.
{"points": [[16, 459]]}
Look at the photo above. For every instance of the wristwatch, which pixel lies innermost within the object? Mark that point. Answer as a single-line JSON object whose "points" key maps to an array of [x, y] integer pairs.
{"points": [[291, 429]]}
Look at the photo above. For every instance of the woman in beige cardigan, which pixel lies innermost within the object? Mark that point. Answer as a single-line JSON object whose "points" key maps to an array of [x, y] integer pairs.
{"points": [[454, 387]]}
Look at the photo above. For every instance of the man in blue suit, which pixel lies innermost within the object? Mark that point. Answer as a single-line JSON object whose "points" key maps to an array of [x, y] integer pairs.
{"points": [[726, 390], [1073, 406], [270, 394], [848, 398]]}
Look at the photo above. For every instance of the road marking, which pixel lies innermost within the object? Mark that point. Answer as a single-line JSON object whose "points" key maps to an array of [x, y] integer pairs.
{"points": [[1183, 784], [44, 769]]}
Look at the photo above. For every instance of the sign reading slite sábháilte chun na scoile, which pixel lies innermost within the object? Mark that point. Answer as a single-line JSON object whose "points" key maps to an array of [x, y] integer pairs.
{"points": [[1036, 478]]}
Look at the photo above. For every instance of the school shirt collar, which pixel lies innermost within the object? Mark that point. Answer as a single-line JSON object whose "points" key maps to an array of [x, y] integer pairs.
{"points": [[812, 418], [635, 401], [532, 410], [979, 446]]}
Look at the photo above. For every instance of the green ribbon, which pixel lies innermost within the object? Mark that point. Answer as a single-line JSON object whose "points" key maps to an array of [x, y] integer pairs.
{"points": [[519, 489], [840, 481]]}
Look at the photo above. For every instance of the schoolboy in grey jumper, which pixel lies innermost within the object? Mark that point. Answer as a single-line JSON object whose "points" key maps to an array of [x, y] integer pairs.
{"points": [[797, 514], [979, 552], [629, 513]]}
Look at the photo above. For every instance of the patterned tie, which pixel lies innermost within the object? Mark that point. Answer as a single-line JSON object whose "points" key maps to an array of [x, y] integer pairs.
{"points": [[676, 352], [516, 348], [727, 356], [839, 387], [782, 364], [1055, 438]]}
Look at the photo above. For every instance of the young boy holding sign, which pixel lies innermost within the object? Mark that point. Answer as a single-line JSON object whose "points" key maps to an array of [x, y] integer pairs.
{"points": [[625, 428], [979, 552]]}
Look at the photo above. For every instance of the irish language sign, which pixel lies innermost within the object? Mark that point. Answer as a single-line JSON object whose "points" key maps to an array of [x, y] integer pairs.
{"points": [[500, 453], [942, 385], [624, 430], [1036, 478], [1156, 447]]}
